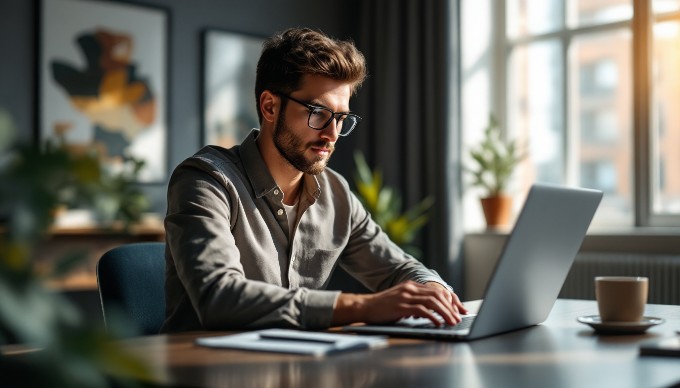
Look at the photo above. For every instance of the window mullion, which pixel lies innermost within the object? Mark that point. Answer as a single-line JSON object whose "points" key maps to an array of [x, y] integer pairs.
{"points": [[642, 95], [663, 17], [571, 137], [567, 137], [499, 74]]}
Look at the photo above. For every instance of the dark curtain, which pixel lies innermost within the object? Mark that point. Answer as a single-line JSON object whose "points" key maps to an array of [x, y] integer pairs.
{"points": [[410, 109]]}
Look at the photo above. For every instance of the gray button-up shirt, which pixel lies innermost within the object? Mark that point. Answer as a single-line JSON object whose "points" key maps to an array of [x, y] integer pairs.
{"points": [[232, 262]]}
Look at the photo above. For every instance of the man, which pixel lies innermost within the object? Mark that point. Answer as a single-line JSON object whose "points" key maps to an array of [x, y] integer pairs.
{"points": [[254, 232]]}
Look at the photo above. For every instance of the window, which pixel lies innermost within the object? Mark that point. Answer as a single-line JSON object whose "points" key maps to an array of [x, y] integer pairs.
{"points": [[575, 81], [665, 115]]}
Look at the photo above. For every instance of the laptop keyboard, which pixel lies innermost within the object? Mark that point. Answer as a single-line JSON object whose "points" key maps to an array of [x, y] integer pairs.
{"points": [[425, 323]]}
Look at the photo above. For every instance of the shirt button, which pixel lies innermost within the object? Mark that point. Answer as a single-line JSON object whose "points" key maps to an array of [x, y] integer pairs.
{"points": [[280, 212], [276, 192]]}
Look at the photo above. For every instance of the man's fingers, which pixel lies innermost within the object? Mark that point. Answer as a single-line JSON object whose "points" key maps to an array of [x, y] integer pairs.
{"points": [[421, 312], [458, 304], [437, 300], [431, 303], [451, 297]]}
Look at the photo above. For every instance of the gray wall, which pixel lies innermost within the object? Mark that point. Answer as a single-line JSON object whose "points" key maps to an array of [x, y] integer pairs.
{"points": [[188, 18]]}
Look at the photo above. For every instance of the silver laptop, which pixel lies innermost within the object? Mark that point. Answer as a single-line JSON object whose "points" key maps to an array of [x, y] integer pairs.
{"points": [[529, 274]]}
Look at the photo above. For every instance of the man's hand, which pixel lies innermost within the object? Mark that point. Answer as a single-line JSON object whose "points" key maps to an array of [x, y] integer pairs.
{"points": [[403, 300], [457, 304]]}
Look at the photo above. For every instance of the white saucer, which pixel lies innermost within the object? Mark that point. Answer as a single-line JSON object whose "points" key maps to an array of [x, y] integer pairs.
{"points": [[596, 323]]}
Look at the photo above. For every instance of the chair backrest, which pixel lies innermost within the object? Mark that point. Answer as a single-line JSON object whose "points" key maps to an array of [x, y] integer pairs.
{"points": [[131, 281]]}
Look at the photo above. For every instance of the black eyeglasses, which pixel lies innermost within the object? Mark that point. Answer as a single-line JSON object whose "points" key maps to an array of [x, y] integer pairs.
{"points": [[320, 117]]}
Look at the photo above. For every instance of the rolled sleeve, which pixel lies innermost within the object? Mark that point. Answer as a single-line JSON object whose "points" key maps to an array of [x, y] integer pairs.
{"points": [[318, 309]]}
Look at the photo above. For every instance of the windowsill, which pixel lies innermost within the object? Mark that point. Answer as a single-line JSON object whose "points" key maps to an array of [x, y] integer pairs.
{"points": [[658, 240], [602, 231]]}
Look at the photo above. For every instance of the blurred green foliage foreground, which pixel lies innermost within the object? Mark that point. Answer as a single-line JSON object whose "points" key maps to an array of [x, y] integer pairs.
{"points": [[66, 349]]}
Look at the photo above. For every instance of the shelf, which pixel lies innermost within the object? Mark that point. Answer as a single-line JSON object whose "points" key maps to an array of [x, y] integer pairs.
{"points": [[93, 242]]}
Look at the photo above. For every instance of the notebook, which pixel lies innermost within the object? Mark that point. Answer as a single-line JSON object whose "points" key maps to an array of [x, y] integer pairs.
{"points": [[529, 274], [293, 342]]}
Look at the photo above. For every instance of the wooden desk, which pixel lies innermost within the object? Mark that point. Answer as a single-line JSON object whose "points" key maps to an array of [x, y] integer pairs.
{"points": [[559, 353]]}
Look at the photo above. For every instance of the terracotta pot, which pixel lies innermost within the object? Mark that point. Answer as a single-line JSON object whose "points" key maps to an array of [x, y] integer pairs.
{"points": [[497, 210]]}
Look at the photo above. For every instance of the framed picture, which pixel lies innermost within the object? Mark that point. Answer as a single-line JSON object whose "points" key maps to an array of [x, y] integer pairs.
{"points": [[229, 106], [103, 82]]}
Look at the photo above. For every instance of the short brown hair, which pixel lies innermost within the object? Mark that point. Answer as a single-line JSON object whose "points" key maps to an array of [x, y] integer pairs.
{"points": [[289, 55]]}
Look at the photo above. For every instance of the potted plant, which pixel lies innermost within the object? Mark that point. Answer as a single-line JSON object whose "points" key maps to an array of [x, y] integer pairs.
{"points": [[494, 160]]}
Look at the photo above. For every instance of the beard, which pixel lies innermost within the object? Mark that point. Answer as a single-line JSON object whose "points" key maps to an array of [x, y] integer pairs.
{"points": [[292, 148]]}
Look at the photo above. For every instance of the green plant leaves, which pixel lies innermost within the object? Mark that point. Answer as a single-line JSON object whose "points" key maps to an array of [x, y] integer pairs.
{"points": [[385, 206], [494, 160], [70, 352]]}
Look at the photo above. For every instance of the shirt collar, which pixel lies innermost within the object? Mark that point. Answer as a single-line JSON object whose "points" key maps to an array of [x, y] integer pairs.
{"points": [[258, 174], [260, 178], [312, 186]]}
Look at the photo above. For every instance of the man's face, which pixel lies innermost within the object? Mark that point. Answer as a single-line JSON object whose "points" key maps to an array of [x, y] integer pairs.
{"points": [[293, 148], [307, 149]]}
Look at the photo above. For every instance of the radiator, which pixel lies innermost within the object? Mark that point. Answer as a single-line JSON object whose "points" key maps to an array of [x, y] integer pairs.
{"points": [[663, 272]]}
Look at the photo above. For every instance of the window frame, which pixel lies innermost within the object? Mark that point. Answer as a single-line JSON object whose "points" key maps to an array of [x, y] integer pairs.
{"points": [[641, 27]]}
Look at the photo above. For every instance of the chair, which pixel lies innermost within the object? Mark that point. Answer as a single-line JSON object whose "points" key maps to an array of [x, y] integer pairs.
{"points": [[131, 281]]}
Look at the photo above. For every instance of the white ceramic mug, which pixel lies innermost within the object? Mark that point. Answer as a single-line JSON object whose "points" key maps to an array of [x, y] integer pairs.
{"points": [[621, 298]]}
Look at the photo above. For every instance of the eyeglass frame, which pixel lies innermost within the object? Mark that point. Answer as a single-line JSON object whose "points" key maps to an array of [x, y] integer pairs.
{"points": [[311, 108]]}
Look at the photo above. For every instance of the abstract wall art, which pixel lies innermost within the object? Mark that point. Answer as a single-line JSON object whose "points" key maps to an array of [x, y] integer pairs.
{"points": [[103, 82]]}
